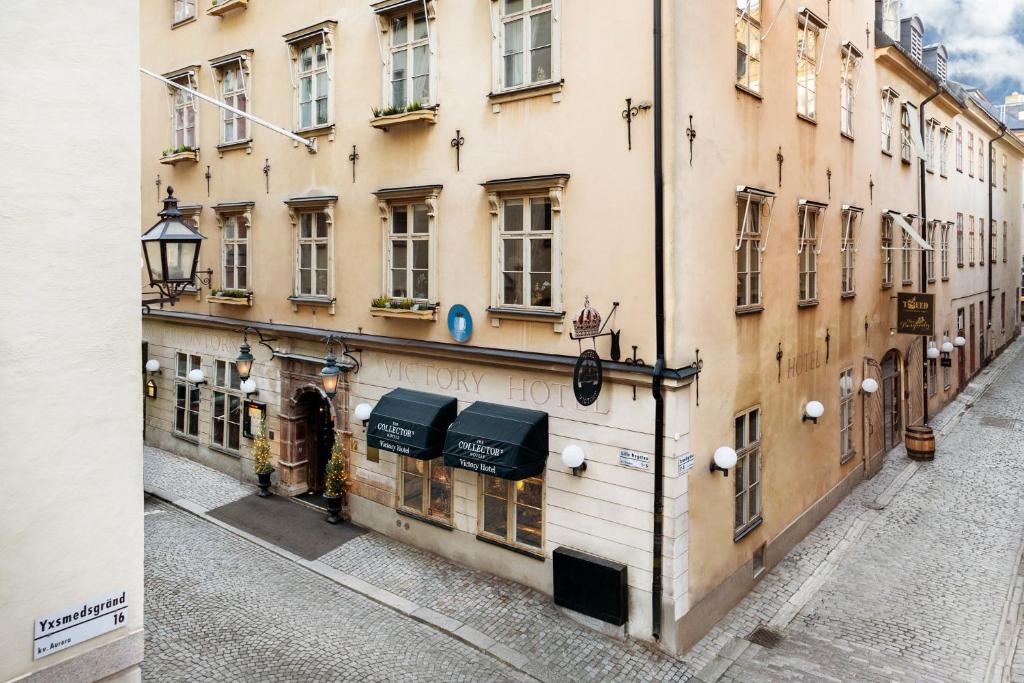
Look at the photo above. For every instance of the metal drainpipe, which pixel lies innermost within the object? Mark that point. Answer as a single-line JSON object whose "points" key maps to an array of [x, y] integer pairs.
{"points": [[991, 247], [659, 333], [924, 256]]}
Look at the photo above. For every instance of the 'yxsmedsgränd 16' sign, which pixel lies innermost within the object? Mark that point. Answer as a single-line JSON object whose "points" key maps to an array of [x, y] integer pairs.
{"points": [[915, 314]]}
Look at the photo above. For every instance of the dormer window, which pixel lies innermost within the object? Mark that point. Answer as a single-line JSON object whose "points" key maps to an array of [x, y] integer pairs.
{"points": [[916, 44], [941, 67]]}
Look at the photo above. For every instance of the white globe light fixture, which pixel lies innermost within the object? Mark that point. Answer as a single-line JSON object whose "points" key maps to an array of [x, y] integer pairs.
{"points": [[362, 412], [248, 386], [947, 346], [869, 385], [933, 351], [813, 410], [152, 366], [197, 376], [959, 341], [574, 457], [723, 460]]}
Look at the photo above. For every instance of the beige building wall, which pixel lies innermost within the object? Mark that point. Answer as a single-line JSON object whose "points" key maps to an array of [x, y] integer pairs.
{"points": [[71, 523]]}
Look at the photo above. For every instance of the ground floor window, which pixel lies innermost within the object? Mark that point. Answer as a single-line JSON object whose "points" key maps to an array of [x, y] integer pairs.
{"points": [[186, 396], [227, 406], [426, 488], [947, 369], [748, 470], [512, 511], [846, 440]]}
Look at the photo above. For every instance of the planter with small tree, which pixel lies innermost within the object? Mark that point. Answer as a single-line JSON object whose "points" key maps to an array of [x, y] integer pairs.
{"points": [[334, 484], [261, 460]]}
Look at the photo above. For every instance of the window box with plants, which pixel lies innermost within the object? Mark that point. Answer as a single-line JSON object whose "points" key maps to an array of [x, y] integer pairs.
{"points": [[174, 155], [231, 297], [397, 116], [220, 7], [386, 307]]}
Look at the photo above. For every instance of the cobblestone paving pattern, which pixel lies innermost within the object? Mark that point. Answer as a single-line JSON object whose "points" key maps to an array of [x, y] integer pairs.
{"points": [[187, 479], [219, 608]]}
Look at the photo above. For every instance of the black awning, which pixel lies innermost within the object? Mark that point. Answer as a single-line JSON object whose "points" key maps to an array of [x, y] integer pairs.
{"points": [[505, 442], [411, 423]]}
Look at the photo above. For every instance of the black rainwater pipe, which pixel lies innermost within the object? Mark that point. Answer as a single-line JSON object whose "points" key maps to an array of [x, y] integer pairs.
{"points": [[659, 333], [924, 256], [991, 234]]}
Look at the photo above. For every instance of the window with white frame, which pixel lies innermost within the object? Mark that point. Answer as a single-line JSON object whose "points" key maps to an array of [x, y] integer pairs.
{"points": [[959, 148], [970, 153], [907, 261], [992, 167], [311, 277], [847, 445], [184, 9], [748, 44], [227, 406], [889, 97], [808, 249], [184, 113], [747, 427], [891, 18], [848, 86], [929, 263], [981, 240], [970, 240], [887, 249], [186, 395], [1004, 172], [312, 73], [1005, 247], [992, 224], [528, 42], [235, 254], [808, 38], [234, 127], [512, 512], [754, 208], [426, 488], [906, 143], [931, 128], [981, 160], [944, 151], [960, 240], [409, 56], [945, 227], [848, 248], [409, 251]]}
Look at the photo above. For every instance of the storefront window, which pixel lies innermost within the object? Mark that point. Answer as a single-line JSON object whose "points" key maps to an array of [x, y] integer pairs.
{"points": [[427, 488], [512, 511], [186, 396]]}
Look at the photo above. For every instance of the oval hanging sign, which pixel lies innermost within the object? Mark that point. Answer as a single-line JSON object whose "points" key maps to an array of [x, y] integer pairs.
{"points": [[460, 323], [587, 377]]}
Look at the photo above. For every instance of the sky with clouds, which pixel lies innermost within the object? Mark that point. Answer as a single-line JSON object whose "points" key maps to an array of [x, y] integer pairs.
{"points": [[985, 40]]}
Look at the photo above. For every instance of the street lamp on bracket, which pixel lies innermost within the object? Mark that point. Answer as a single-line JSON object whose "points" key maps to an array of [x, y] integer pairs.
{"points": [[171, 249]]}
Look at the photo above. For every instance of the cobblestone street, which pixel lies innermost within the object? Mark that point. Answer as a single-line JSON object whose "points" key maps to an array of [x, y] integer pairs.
{"points": [[911, 578]]}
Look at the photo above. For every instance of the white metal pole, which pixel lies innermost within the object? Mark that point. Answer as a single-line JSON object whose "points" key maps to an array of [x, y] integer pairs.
{"points": [[309, 144]]}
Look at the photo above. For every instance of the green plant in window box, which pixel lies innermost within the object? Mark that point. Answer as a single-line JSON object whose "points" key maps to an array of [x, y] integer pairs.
{"points": [[261, 459], [403, 304], [334, 483], [232, 293], [415, 105], [380, 302]]}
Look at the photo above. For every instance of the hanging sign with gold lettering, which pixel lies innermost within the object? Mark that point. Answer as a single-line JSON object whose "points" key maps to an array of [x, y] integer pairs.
{"points": [[915, 314]]}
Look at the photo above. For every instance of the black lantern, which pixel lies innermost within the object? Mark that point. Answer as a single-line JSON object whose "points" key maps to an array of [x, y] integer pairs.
{"points": [[330, 375], [244, 361], [171, 248]]}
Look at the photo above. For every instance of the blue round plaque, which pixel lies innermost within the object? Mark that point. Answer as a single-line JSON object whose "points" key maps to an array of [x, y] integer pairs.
{"points": [[460, 323]]}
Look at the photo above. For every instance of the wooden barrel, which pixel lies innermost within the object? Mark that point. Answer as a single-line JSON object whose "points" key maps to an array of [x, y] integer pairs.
{"points": [[920, 443]]}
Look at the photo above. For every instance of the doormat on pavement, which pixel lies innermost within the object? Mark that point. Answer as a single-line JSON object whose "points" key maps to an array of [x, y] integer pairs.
{"points": [[296, 528]]}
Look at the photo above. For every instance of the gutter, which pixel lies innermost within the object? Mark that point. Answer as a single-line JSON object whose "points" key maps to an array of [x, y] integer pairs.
{"points": [[924, 260], [991, 247]]}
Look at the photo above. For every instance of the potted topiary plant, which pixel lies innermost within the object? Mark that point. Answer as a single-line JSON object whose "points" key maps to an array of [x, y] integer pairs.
{"points": [[261, 460], [334, 485]]}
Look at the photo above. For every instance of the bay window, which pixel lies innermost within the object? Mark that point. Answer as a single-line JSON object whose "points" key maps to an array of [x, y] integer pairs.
{"points": [[426, 488], [512, 512], [748, 44], [227, 406]]}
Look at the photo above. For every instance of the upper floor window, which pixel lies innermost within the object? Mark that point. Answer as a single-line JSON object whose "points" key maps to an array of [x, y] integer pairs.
{"points": [[848, 247], [232, 72], [992, 167], [891, 18], [747, 427], [970, 240], [409, 216], [184, 9], [527, 42], [848, 86], [807, 61], [526, 221], [930, 143], [184, 111], [929, 262], [234, 248], [992, 224], [313, 220], [887, 249], [945, 249], [1004, 171], [409, 60], [970, 153], [889, 98], [754, 208], [959, 148], [312, 74], [960, 240], [748, 44], [906, 259], [808, 248], [1005, 250], [981, 160], [906, 140], [944, 151]]}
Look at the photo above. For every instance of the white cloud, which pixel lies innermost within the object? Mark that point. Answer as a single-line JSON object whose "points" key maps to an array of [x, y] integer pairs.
{"points": [[984, 47]]}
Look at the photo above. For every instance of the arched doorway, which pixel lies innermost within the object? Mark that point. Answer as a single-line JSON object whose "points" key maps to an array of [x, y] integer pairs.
{"points": [[314, 436], [892, 382]]}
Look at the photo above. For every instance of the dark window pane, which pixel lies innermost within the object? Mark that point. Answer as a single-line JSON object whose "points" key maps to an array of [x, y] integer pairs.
{"points": [[513, 215], [540, 213], [399, 220]]}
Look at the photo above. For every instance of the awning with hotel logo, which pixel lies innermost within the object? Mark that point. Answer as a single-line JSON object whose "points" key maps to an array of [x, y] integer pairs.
{"points": [[505, 442], [411, 423]]}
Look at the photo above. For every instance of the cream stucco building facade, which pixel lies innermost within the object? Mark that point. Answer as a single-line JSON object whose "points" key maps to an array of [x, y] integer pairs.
{"points": [[71, 519], [479, 164]]}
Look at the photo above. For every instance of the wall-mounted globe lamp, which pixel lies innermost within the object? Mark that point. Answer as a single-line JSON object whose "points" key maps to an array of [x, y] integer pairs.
{"points": [[869, 385], [575, 458], [363, 412], [723, 460], [812, 411]]}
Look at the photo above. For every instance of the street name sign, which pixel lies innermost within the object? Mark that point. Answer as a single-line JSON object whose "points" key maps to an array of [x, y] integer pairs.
{"points": [[81, 622]]}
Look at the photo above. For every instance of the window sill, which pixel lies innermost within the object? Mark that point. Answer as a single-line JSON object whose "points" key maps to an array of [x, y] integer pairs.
{"points": [[231, 300], [931, 281], [226, 6], [847, 295], [846, 136], [238, 144], [535, 554], [943, 175], [433, 521], [322, 301], [553, 88], [186, 437], [807, 119], [905, 160], [744, 531], [887, 153], [556, 318], [316, 131], [807, 303], [945, 279], [749, 310], [843, 459], [429, 314], [178, 157], [930, 171], [753, 93], [183, 22], [225, 451], [384, 122], [886, 285], [907, 283]]}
